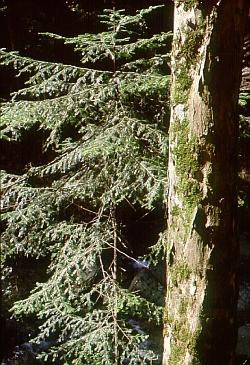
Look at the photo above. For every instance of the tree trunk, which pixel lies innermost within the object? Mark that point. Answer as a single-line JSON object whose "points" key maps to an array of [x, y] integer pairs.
{"points": [[200, 316]]}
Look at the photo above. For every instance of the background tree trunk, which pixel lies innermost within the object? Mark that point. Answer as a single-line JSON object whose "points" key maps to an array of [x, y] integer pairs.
{"points": [[200, 316]]}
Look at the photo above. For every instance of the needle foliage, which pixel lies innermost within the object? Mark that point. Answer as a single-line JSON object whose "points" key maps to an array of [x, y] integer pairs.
{"points": [[105, 126]]}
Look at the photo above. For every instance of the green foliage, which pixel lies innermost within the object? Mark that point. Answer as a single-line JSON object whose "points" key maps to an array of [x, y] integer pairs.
{"points": [[106, 123]]}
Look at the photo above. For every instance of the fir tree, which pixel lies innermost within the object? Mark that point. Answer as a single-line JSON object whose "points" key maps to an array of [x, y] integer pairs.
{"points": [[106, 127]]}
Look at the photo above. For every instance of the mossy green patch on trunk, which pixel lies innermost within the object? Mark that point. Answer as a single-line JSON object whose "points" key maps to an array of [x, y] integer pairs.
{"points": [[179, 273], [190, 47], [187, 166], [185, 58], [184, 340], [183, 83]]}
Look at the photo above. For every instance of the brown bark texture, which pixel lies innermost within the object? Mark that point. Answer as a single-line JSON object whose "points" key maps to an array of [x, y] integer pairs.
{"points": [[202, 249]]}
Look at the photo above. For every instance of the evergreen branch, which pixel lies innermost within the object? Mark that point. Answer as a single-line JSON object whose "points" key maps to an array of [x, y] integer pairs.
{"points": [[108, 132]]}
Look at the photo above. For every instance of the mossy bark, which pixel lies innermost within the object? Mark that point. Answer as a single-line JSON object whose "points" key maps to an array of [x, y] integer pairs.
{"points": [[200, 314]]}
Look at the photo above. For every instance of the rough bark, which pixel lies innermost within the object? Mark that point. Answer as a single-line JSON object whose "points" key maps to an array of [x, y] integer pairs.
{"points": [[200, 315]]}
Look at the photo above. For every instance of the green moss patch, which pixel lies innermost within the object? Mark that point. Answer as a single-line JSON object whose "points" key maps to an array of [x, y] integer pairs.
{"points": [[187, 166]]}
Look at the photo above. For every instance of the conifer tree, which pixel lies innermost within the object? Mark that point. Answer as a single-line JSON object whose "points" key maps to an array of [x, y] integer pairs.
{"points": [[105, 124]]}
